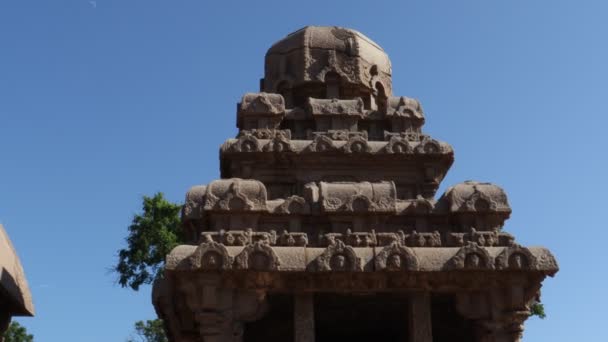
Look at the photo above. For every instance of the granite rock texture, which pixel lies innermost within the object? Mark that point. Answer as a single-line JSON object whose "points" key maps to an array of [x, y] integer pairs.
{"points": [[15, 296]]}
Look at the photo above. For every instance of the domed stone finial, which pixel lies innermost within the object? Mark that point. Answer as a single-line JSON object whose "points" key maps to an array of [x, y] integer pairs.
{"points": [[327, 62]]}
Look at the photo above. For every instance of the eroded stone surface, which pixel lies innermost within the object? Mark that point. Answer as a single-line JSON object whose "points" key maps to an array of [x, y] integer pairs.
{"points": [[326, 208], [15, 296]]}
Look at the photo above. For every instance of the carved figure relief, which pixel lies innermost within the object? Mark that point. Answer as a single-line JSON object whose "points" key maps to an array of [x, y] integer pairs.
{"points": [[405, 107], [236, 195], [358, 197], [341, 134], [428, 146], [480, 202], [211, 256], [396, 257], [398, 145], [471, 257], [421, 205], [236, 239], [292, 239], [262, 103], [294, 205], [356, 145], [335, 107], [246, 143], [338, 257], [266, 134], [321, 143], [477, 197], [516, 257], [484, 238], [278, 144], [258, 256], [425, 239]]}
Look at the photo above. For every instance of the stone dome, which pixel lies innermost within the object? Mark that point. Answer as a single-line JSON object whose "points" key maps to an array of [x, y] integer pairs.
{"points": [[321, 54]]}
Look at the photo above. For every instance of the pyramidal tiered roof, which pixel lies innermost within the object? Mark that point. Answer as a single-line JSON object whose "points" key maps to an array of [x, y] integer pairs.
{"points": [[330, 186]]}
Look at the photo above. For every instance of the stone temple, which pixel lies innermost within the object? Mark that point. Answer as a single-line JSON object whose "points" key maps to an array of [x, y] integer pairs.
{"points": [[15, 296], [324, 225]]}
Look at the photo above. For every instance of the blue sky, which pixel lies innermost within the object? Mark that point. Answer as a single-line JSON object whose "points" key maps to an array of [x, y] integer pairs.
{"points": [[104, 101]]}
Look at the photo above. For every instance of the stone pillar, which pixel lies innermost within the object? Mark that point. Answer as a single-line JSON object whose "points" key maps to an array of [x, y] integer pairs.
{"points": [[419, 315], [506, 329], [304, 317]]}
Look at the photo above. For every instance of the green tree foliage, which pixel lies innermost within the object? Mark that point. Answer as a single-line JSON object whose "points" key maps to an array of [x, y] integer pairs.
{"points": [[538, 309], [149, 331], [17, 333], [152, 235]]}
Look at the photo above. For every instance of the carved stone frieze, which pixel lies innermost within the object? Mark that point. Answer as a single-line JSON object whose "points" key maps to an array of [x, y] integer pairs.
{"points": [[266, 134], [396, 257], [358, 239], [432, 239], [412, 136], [429, 146], [262, 103], [278, 144], [404, 107], [239, 237], [236, 195], [338, 257], [358, 197], [294, 205], [335, 107], [421, 206], [471, 257], [340, 134], [245, 143], [488, 239], [516, 258], [211, 256], [398, 145], [292, 239], [258, 256], [481, 238], [321, 143], [246, 237], [477, 197], [357, 144]]}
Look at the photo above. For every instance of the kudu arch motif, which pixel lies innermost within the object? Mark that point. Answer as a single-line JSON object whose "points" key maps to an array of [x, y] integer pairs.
{"points": [[329, 187]]}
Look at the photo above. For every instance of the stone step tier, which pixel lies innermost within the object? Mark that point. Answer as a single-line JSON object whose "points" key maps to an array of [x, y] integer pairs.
{"points": [[416, 167], [261, 257], [469, 211], [267, 111]]}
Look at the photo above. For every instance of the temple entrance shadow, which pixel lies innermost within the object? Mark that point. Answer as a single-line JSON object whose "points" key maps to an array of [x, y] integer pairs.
{"points": [[360, 317]]}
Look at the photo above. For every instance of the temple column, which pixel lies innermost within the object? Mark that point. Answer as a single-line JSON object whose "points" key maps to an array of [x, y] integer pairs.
{"points": [[419, 315], [507, 328], [304, 317]]}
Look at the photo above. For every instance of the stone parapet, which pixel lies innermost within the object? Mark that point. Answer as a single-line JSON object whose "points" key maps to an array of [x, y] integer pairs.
{"points": [[392, 257]]}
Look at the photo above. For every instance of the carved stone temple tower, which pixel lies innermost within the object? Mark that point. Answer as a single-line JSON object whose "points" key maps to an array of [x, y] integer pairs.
{"points": [[324, 225]]}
